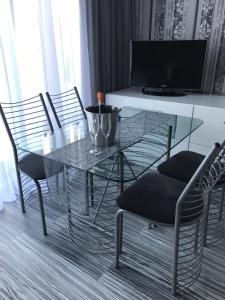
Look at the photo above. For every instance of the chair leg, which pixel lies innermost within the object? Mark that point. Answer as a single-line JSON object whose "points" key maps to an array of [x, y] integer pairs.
{"points": [[92, 188], [221, 204], [121, 234], [87, 190], [64, 181], [175, 261], [20, 190], [170, 129], [57, 183], [118, 236], [41, 207], [207, 220]]}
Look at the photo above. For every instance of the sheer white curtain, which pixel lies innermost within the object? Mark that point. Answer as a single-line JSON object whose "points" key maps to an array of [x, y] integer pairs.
{"points": [[39, 52]]}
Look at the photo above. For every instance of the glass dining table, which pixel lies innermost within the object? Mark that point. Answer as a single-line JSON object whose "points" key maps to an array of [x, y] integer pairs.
{"points": [[92, 180]]}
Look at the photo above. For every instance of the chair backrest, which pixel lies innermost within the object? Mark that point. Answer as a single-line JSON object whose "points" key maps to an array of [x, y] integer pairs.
{"points": [[25, 120], [196, 192], [191, 218], [67, 107]]}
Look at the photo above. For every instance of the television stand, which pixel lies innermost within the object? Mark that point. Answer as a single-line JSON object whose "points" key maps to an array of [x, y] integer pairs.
{"points": [[162, 92], [207, 107]]}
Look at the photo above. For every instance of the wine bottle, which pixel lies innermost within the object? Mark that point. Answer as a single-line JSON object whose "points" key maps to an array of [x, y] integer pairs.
{"points": [[101, 105]]}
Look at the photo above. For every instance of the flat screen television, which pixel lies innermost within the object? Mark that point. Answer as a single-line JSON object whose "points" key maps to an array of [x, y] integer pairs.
{"points": [[167, 67]]}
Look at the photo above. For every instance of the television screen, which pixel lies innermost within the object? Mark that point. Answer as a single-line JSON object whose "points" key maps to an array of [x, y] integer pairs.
{"points": [[168, 64]]}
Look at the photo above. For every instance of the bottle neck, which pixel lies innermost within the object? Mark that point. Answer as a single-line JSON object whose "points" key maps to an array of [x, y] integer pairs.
{"points": [[100, 98]]}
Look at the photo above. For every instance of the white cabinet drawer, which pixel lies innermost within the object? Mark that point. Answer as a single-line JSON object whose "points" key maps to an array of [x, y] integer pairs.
{"points": [[213, 128]]}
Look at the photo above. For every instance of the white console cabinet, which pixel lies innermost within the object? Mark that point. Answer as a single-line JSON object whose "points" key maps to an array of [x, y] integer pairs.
{"points": [[209, 108]]}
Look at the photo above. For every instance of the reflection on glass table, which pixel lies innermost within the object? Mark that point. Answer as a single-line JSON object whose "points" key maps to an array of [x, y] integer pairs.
{"points": [[71, 144], [143, 137], [160, 139]]}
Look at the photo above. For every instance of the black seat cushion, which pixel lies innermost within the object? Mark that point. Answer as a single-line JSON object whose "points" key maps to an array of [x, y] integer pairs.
{"points": [[33, 166], [182, 165], [154, 196]]}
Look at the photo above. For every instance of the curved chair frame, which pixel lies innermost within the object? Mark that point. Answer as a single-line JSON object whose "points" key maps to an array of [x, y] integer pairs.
{"points": [[34, 115], [190, 221], [216, 208], [66, 107], [215, 226], [216, 216]]}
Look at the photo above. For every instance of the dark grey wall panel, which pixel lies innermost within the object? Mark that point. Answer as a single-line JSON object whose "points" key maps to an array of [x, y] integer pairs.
{"points": [[188, 19], [219, 86], [113, 23], [144, 8]]}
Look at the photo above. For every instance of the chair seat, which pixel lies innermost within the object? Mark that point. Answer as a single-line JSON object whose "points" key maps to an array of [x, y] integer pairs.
{"points": [[182, 165], [153, 196], [33, 166]]}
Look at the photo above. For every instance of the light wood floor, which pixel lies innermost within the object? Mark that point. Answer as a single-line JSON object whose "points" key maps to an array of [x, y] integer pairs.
{"points": [[36, 267]]}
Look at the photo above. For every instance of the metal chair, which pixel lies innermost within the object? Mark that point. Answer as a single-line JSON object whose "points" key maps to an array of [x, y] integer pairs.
{"points": [[28, 120], [67, 107], [182, 166], [169, 202]]}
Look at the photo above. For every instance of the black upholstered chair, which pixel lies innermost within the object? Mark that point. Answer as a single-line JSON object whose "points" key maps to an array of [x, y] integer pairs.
{"points": [[28, 120], [171, 202], [182, 166]]}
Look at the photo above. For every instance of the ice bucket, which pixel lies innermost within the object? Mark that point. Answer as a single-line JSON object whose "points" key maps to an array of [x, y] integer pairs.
{"points": [[102, 125]]}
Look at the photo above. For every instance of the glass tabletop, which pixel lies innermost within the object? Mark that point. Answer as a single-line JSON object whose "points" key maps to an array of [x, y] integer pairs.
{"points": [[140, 134]]}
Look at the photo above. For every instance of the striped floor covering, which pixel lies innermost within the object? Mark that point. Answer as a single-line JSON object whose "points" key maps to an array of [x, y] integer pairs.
{"points": [[34, 267]]}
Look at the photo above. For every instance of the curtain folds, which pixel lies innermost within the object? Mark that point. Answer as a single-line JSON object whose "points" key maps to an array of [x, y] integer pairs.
{"points": [[110, 25], [39, 51]]}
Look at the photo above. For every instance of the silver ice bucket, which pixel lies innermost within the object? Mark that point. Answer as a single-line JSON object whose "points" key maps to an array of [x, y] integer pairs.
{"points": [[102, 126]]}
